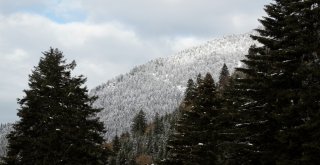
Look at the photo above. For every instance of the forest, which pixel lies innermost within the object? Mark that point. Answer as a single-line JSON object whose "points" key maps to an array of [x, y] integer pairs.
{"points": [[264, 112]]}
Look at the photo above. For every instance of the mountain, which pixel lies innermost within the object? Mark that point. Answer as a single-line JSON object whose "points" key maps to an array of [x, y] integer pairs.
{"points": [[158, 86]]}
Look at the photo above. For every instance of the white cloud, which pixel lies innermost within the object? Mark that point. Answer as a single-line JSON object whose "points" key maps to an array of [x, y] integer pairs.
{"points": [[18, 55], [180, 43], [241, 21], [80, 34], [28, 35]]}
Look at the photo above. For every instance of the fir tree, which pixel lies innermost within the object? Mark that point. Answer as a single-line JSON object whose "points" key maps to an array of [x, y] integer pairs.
{"points": [[139, 124], [205, 106], [57, 123], [276, 111], [194, 139], [229, 126], [180, 142]]}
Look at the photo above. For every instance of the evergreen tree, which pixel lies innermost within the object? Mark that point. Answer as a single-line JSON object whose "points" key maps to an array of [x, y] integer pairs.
{"points": [[230, 142], [139, 124], [181, 142], [275, 114], [190, 92], [206, 108], [199, 79], [194, 139], [250, 93], [57, 123], [224, 77], [116, 144], [122, 158], [158, 125]]}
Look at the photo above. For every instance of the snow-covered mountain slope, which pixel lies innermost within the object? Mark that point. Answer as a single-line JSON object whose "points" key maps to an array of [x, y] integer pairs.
{"points": [[4, 130], [158, 86]]}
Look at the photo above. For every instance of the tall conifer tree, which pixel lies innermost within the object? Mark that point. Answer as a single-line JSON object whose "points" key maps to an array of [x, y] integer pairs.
{"points": [[158, 125], [139, 124], [279, 77], [57, 123], [194, 140], [223, 77], [190, 92]]}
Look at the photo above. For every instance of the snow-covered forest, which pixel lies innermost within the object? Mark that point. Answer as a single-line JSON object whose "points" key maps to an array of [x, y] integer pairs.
{"points": [[4, 130], [158, 86]]}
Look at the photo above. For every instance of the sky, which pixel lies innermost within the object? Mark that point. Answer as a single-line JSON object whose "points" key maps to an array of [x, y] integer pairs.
{"points": [[108, 37]]}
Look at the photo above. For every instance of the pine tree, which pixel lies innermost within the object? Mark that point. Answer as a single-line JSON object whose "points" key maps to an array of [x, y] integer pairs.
{"points": [[57, 123], [139, 124], [275, 113]]}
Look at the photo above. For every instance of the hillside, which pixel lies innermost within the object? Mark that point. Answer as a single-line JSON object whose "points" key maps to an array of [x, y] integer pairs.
{"points": [[158, 86]]}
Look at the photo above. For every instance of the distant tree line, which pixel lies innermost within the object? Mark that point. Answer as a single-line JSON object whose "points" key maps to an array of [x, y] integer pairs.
{"points": [[146, 144]]}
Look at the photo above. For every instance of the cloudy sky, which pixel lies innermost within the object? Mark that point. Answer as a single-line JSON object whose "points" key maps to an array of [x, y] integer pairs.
{"points": [[108, 37]]}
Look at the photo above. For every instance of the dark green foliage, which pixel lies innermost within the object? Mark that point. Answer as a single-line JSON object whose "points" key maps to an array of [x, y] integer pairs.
{"points": [[278, 104], [139, 124], [116, 144], [309, 133], [180, 143], [206, 107], [57, 123], [158, 125], [122, 158], [194, 140], [190, 92], [223, 77], [199, 79], [232, 146]]}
